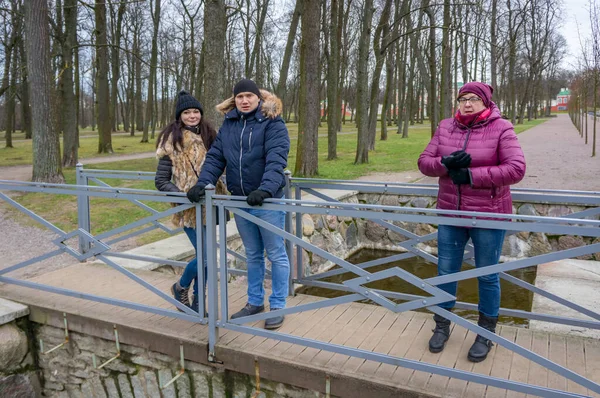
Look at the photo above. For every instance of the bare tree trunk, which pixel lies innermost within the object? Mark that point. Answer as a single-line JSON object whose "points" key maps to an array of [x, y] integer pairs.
{"points": [[152, 77], [26, 110], [446, 80], [139, 105], [102, 97], [333, 66], [116, 65], [215, 23], [379, 48], [362, 85], [68, 100], [46, 147], [307, 159], [287, 55], [494, 45]]}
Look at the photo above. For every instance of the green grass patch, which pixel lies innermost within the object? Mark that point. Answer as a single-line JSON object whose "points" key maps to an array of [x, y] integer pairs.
{"points": [[22, 152], [395, 155]]}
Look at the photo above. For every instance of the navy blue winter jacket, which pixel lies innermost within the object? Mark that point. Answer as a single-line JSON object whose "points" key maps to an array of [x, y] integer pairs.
{"points": [[252, 147]]}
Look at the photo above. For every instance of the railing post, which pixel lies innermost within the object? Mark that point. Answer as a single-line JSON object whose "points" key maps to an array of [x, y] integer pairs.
{"points": [[83, 209], [289, 247], [211, 260], [299, 267]]}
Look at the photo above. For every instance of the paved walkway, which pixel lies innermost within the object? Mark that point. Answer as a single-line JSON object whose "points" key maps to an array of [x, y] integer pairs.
{"points": [[556, 155]]}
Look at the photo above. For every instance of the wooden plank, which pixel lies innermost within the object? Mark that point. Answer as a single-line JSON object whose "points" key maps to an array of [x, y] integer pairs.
{"points": [[402, 345], [327, 332], [355, 340], [292, 322], [448, 357], [538, 374], [457, 387], [558, 354], [387, 341], [418, 349], [502, 361], [242, 339], [576, 363], [370, 342], [323, 318], [519, 368], [592, 362], [345, 333]]}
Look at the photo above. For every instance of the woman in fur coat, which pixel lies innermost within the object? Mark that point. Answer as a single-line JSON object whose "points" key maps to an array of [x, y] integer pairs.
{"points": [[181, 150]]}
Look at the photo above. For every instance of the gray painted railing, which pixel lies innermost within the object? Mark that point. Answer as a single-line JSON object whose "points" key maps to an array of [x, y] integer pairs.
{"points": [[99, 246]]}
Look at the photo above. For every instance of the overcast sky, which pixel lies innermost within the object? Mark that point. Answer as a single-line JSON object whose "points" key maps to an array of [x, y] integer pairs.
{"points": [[576, 15]]}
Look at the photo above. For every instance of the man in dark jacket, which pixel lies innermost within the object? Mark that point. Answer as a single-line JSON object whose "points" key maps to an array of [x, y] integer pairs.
{"points": [[252, 146]]}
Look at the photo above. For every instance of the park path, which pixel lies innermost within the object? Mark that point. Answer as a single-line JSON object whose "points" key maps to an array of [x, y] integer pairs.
{"points": [[23, 173], [556, 155]]}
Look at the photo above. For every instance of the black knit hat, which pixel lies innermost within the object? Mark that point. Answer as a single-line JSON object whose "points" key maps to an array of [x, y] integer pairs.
{"points": [[185, 101], [246, 86]]}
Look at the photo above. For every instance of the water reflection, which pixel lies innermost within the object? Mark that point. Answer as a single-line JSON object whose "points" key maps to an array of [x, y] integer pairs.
{"points": [[512, 297]]}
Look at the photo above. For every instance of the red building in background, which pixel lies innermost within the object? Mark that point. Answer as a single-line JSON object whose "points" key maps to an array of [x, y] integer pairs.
{"points": [[562, 100]]}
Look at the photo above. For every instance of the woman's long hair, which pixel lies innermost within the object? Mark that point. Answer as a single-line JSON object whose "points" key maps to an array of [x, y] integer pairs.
{"points": [[174, 131]]}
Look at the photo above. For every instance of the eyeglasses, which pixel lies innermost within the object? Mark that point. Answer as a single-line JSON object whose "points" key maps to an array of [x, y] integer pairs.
{"points": [[472, 100]]}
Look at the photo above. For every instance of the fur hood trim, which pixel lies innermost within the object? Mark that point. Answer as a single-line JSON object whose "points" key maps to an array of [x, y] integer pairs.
{"points": [[271, 105]]}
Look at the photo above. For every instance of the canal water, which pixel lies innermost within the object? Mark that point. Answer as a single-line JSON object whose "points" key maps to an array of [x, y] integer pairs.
{"points": [[512, 296]]}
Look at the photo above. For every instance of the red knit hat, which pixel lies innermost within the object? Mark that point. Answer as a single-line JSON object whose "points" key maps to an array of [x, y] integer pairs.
{"points": [[482, 90]]}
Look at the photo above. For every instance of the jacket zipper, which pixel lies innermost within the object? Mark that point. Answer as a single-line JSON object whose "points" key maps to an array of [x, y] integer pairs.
{"points": [[241, 153], [458, 186]]}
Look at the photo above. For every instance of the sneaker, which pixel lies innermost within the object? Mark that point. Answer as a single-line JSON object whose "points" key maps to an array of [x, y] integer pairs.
{"points": [[275, 322], [248, 310], [181, 294]]}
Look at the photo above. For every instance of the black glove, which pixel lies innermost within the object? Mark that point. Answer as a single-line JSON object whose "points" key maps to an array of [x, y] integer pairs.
{"points": [[257, 197], [196, 193], [457, 160], [460, 176]]}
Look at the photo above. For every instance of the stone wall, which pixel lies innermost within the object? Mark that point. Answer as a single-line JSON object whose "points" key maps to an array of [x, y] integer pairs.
{"points": [[343, 236], [69, 372], [18, 375]]}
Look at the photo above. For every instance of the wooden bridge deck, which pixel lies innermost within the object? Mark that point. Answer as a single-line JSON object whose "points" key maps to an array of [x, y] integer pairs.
{"points": [[364, 326]]}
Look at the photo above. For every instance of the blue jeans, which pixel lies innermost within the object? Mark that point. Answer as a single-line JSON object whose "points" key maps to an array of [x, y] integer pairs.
{"points": [[488, 246], [256, 240], [191, 270]]}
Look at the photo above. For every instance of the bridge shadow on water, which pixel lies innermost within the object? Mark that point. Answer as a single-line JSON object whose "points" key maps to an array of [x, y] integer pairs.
{"points": [[513, 296]]}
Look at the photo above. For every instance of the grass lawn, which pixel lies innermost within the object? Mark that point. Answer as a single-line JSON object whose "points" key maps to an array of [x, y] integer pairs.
{"points": [[391, 156]]}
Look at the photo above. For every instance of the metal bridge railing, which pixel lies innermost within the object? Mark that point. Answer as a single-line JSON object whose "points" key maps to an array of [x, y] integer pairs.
{"points": [[578, 224]]}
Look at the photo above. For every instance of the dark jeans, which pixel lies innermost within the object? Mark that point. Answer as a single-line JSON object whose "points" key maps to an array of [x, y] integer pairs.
{"points": [[488, 246], [191, 270]]}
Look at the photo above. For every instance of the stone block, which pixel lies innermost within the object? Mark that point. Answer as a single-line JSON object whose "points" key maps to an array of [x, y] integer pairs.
{"points": [[124, 386], [164, 376], [137, 384], [111, 388], [201, 384], [13, 346], [570, 242], [308, 225], [151, 384], [527, 209], [374, 232], [184, 389], [9, 311], [23, 385]]}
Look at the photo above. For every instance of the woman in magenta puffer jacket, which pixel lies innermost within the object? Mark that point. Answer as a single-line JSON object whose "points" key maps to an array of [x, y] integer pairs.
{"points": [[476, 156]]}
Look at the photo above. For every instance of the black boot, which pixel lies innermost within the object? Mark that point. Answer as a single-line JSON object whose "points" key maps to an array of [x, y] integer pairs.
{"points": [[441, 333], [480, 348]]}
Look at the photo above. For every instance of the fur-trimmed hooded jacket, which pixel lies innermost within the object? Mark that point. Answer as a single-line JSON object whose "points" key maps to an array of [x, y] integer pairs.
{"points": [[178, 171], [254, 147]]}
